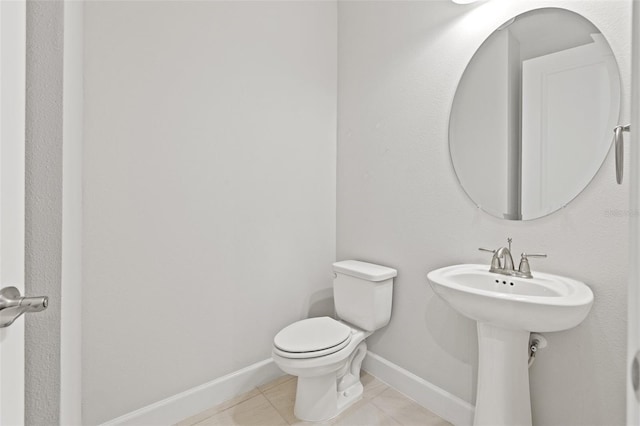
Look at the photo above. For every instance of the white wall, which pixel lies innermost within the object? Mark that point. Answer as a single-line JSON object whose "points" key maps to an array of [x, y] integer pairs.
{"points": [[399, 203], [485, 79], [209, 189]]}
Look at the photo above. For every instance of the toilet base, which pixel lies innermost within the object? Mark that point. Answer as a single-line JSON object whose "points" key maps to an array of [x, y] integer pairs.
{"points": [[320, 398], [317, 400], [349, 397]]}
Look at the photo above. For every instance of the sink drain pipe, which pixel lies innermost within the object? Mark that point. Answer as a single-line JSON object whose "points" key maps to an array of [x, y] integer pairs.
{"points": [[536, 342]]}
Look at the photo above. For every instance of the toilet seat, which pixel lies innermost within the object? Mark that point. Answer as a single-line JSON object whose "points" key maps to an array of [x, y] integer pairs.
{"points": [[313, 337]]}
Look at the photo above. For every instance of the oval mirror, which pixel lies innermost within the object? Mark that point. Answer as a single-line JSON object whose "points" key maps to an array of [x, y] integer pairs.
{"points": [[533, 116]]}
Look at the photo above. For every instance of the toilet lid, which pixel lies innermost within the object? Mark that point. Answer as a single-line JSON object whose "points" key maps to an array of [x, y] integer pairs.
{"points": [[311, 335]]}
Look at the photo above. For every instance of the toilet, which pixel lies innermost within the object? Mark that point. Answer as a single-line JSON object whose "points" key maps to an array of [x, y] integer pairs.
{"points": [[326, 354]]}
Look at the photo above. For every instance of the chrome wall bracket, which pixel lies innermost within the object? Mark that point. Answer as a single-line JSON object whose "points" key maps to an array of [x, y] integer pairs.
{"points": [[12, 305], [618, 140]]}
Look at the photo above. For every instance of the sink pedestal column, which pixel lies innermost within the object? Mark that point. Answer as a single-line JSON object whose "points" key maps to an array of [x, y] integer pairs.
{"points": [[502, 398]]}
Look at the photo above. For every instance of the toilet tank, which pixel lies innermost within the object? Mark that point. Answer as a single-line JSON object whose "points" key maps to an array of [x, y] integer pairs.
{"points": [[363, 293]]}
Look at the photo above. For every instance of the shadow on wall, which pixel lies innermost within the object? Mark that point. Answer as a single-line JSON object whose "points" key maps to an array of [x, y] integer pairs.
{"points": [[459, 339], [321, 304]]}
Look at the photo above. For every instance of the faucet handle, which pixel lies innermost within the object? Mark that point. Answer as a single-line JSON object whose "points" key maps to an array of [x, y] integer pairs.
{"points": [[525, 268], [525, 255], [489, 250], [495, 261]]}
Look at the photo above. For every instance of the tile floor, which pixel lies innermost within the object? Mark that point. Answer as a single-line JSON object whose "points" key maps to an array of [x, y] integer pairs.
{"points": [[272, 405]]}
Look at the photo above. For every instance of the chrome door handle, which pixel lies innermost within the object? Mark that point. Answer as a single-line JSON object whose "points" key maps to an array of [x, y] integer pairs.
{"points": [[619, 147], [12, 305]]}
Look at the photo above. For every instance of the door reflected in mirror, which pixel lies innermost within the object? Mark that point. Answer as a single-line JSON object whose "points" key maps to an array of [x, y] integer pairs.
{"points": [[533, 115]]}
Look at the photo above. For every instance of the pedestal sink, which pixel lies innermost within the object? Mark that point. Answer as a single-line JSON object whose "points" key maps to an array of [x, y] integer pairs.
{"points": [[507, 309]]}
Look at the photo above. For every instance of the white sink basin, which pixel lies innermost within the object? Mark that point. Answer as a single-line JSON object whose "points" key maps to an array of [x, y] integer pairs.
{"points": [[507, 309], [545, 302]]}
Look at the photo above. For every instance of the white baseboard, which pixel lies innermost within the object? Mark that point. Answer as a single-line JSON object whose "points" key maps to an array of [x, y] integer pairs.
{"points": [[193, 401], [433, 398]]}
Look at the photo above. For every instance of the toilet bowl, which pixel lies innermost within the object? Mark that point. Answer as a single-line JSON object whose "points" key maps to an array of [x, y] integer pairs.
{"points": [[326, 354], [328, 376]]}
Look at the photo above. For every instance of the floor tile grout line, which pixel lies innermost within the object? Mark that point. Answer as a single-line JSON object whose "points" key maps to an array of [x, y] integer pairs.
{"points": [[275, 408], [405, 397], [384, 411], [271, 403], [260, 393], [383, 390], [274, 386], [231, 406]]}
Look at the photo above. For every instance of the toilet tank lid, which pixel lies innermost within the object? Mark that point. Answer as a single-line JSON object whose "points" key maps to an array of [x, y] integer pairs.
{"points": [[364, 270]]}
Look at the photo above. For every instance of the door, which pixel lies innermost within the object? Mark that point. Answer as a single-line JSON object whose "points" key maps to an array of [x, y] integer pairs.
{"points": [[553, 87], [12, 130], [633, 311]]}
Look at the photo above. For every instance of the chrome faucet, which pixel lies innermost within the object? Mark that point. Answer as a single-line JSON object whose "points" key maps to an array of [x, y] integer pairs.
{"points": [[502, 262], [507, 261]]}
